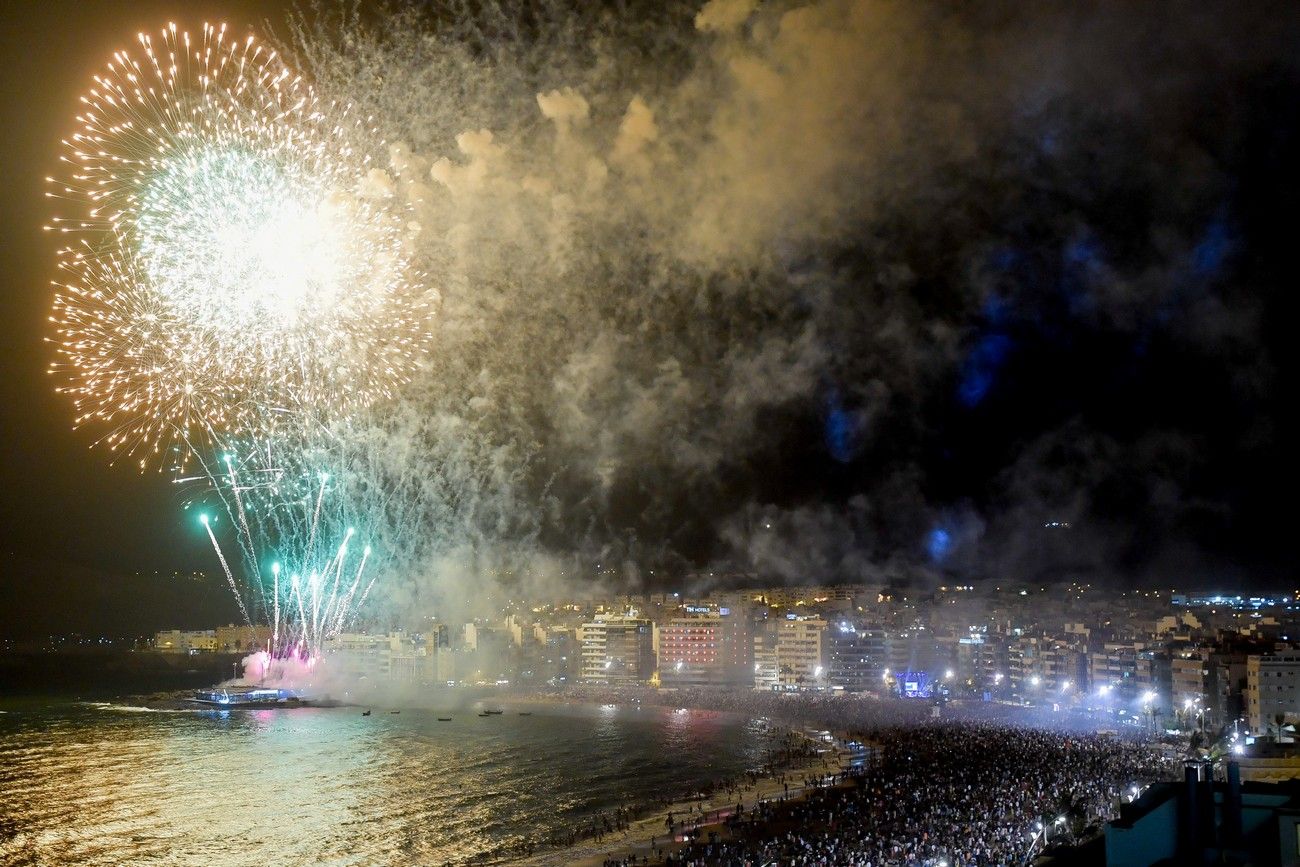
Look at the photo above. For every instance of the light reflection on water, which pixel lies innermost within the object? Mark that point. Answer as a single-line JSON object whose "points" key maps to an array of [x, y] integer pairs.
{"points": [[123, 783]]}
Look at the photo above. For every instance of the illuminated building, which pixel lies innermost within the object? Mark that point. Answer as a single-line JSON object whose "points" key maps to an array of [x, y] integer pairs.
{"points": [[241, 639], [362, 655], [857, 656], [709, 647], [617, 649], [798, 646], [1272, 690], [186, 641]]}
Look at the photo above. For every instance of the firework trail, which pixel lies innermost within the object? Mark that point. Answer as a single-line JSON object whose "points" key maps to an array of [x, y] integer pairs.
{"points": [[296, 523]]}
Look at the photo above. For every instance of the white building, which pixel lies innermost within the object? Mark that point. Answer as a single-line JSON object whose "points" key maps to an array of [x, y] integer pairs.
{"points": [[362, 655], [186, 641], [1273, 690], [617, 649], [791, 654]]}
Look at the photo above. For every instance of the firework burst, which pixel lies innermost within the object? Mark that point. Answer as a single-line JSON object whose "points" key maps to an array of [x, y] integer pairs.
{"points": [[236, 266]]}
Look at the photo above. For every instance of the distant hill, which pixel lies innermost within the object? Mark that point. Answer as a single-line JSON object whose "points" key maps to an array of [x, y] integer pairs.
{"points": [[40, 598]]}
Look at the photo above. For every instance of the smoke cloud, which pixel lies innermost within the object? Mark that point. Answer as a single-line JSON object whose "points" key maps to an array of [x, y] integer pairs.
{"points": [[818, 291]]}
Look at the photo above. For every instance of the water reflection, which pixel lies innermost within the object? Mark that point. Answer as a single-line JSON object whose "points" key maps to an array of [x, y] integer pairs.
{"points": [[117, 783]]}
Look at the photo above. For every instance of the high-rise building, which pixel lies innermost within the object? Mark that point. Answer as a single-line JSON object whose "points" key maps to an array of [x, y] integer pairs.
{"points": [[1190, 672], [360, 655], [708, 647], [1273, 690], [801, 659], [617, 649], [857, 656]]}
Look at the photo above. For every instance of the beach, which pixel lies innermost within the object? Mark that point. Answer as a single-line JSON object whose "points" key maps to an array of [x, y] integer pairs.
{"points": [[810, 759]]}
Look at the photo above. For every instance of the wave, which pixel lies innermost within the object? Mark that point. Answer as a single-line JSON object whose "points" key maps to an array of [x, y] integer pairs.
{"points": [[134, 708]]}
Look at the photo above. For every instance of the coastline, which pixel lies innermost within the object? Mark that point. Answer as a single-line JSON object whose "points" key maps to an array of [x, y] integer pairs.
{"points": [[646, 829], [648, 837]]}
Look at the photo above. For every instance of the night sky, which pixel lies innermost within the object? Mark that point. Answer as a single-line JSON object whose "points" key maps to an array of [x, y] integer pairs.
{"points": [[1111, 281]]}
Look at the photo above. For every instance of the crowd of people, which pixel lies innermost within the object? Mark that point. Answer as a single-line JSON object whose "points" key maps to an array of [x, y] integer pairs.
{"points": [[936, 793], [784, 750]]}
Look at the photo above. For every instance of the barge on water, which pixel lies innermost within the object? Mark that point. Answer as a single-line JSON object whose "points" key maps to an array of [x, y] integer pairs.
{"points": [[248, 697]]}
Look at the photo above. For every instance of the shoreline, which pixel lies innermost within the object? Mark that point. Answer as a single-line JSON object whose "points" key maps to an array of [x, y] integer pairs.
{"points": [[649, 838], [646, 830]]}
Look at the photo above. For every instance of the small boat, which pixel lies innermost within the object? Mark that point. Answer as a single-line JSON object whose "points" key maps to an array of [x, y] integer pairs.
{"points": [[365, 713], [493, 711], [525, 713], [485, 713], [444, 719], [394, 711]]}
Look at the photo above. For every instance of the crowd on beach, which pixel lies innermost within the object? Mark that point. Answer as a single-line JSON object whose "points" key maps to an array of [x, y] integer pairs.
{"points": [[935, 793], [785, 749]]}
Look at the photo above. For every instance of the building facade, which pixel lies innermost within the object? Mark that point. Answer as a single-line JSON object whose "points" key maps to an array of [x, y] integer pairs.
{"points": [[1272, 690], [705, 649], [617, 649]]}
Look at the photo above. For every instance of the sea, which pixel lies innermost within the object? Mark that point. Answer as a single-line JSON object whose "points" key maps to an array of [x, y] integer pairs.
{"points": [[144, 779]]}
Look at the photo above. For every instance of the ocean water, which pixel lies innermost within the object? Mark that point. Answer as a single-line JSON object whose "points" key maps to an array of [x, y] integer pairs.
{"points": [[147, 781]]}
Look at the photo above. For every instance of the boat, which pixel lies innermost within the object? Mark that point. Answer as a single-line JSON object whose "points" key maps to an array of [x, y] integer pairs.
{"points": [[485, 713], [365, 713], [493, 712], [525, 713], [444, 719], [248, 697], [394, 711]]}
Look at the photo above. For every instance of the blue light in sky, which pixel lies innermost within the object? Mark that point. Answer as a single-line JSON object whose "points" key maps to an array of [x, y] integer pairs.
{"points": [[1208, 255], [840, 430], [938, 543], [840, 434], [981, 367]]}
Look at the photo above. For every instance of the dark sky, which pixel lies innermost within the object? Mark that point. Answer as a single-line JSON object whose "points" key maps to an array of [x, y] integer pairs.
{"points": [[1131, 365]]}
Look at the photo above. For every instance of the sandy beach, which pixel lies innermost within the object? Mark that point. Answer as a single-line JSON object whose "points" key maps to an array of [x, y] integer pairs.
{"points": [[648, 837]]}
